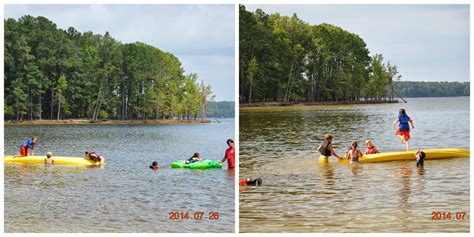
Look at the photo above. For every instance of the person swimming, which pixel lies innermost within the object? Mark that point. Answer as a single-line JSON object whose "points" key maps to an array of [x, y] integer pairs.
{"points": [[420, 158], [154, 165], [194, 158], [95, 156], [326, 149], [250, 182]]}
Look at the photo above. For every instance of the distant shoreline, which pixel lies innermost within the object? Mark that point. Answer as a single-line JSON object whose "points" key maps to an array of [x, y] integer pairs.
{"points": [[264, 104], [103, 122]]}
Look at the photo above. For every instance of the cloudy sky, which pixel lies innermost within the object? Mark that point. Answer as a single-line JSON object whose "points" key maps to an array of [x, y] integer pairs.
{"points": [[201, 36], [426, 42]]}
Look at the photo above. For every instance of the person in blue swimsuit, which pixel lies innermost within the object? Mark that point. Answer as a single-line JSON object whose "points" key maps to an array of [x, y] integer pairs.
{"points": [[28, 146], [403, 131]]}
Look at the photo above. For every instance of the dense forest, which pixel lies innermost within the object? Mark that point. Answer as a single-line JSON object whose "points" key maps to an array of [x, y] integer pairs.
{"points": [[431, 89], [283, 58], [51, 73], [222, 109]]}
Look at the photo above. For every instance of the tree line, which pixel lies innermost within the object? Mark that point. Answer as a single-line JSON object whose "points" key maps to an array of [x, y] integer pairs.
{"points": [[283, 58], [431, 89], [222, 109], [51, 73]]}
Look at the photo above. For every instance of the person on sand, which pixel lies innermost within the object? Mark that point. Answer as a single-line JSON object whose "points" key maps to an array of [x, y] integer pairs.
{"points": [[370, 148], [403, 131], [49, 159], [27, 146], [353, 153], [420, 158], [95, 156], [326, 149], [229, 155], [250, 182], [154, 166], [194, 158]]}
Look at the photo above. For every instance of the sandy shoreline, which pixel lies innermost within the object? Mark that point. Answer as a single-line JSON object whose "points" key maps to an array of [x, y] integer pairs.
{"points": [[263, 104], [103, 121]]}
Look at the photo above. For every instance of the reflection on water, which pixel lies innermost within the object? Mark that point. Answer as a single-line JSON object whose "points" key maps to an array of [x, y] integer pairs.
{"points": [[300, 195], [125, 195]]}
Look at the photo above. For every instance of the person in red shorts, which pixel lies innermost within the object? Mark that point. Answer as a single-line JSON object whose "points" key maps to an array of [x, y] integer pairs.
{"points": [[403, 131], [27, 146], [229, 155]]}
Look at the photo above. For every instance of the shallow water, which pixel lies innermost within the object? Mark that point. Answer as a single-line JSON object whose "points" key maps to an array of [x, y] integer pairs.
{"points": [[125, 195], [300, 195]]}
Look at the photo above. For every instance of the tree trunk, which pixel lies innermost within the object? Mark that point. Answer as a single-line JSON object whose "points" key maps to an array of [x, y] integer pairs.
{"points": [[202, 111], [250, 90], [52, 103], [286, 99], [242, 84], [17, 110], [30, 102], [39, 100], [59, 106], [97, 108], [40, 106]]}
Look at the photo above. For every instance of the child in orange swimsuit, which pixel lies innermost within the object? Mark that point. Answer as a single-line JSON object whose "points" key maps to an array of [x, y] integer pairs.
{"points": [[371, 149]]}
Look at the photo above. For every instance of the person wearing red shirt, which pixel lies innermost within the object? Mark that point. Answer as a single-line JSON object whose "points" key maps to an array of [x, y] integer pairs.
{"points": [[229, 155]]}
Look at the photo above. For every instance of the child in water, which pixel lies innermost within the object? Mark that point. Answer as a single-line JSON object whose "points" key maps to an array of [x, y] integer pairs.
{"points": [[326, 149], [27, 146], [353, 153], [420, 158], [154, 165], [403, 131], [194, 158], [371, 149], [250, 182], [95, 156], [49, 159]]}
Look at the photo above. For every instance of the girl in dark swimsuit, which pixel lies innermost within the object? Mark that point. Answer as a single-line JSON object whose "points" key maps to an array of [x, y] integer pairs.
{"points": [[353, 153]]}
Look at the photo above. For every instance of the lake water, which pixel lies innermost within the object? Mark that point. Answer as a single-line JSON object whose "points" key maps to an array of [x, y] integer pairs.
{"points": [[125, 195], [300, 195]]}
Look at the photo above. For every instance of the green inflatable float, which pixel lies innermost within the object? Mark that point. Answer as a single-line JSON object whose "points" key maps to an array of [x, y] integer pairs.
{"points": [[203, 164]]}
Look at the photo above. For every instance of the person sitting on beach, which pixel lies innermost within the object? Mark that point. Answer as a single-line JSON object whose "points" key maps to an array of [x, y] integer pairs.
{"points": [[27, 146], [250, 182], [49, 158], [353, 153], [371, 149], [194, 158], [326, 149], [154, 165], [420, 158], [403, 131], [95, 156]]}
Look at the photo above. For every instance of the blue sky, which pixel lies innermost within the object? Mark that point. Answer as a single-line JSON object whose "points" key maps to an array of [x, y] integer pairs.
{"points": [[201, 36], [426, 42]]}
